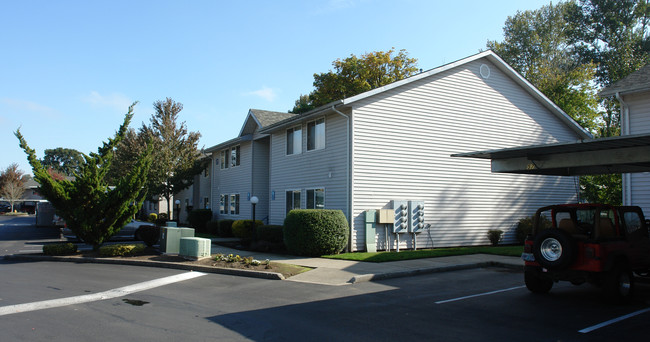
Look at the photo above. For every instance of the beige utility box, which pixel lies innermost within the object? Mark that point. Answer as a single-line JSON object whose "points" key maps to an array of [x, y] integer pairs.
{"points": [[386, 216]]}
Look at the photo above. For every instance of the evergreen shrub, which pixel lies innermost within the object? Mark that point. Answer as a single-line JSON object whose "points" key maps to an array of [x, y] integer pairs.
{"points": [[225, 228], [59, 249], [270, 233], [315, 232], [149, 234], [243, 229], [198, 219], [120, 250]]}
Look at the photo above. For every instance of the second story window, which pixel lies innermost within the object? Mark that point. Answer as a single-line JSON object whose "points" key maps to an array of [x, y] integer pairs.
{"points": [[316, 135], [224, 159], [294, 140], [234, 156]]}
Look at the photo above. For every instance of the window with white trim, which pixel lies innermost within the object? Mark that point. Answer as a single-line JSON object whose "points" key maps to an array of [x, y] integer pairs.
{"points": [[316, 135], [315, 198], [223, 204], [234, 204], [234, 156], [224, 159], [293, 200], [294, 140]]}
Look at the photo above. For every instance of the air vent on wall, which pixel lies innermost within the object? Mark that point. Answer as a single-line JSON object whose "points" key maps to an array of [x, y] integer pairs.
{"points": [[485, 71]]}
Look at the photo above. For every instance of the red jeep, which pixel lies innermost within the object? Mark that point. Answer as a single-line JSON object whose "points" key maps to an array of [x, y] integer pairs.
{"points": [[596, 243]]}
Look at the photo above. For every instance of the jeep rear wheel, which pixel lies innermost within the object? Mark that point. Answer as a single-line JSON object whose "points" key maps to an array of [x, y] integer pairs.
{"points": [[619, 283], [554, 249], [536, 283]]}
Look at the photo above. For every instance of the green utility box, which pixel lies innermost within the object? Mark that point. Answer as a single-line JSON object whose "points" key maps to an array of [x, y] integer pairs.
{"points": [[170, 238], [371, 243], [194, 247]]}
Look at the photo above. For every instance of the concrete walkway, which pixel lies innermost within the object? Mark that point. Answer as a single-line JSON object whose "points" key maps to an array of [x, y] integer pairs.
{"points": [[345, 272]]}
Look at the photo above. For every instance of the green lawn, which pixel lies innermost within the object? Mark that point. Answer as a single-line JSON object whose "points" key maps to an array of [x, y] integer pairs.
{"points": [[428, 253]]}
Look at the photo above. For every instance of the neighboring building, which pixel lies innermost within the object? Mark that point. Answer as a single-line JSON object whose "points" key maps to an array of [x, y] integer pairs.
{"points": [[394, 143], [197, 196], [633, 93]]}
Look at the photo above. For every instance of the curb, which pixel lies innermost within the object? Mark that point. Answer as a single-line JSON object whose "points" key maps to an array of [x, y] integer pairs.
{"points": [[160, 264], [438, 269]]}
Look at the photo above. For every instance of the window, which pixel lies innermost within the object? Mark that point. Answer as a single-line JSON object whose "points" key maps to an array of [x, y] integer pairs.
{"points": [[206, 172], [315, 198], [293, 200], [316, 135], [223, 204], [224, 159], [234, 156], [234, 204], [294, 140], [632, 221], [206, 203]]}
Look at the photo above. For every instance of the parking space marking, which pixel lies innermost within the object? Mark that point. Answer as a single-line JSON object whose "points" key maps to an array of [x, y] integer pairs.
{"points": [[114, 293], [480, 294], [612, 321]]}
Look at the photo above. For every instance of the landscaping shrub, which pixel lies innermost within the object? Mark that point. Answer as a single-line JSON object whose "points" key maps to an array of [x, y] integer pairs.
{"points": [[59, 249], [198, 218], [162, 219], [495, 236], [525, 227], [149, 234], [120, 250], [212, 227], [315, 232], [225, 228], [270, 233], [243, 229], [152, 217]]}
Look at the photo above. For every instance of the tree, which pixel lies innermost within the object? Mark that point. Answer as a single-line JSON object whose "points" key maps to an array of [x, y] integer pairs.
{"points": [[12, 184], [353, 75], [176, 156], [93, 210], [65, 161]]}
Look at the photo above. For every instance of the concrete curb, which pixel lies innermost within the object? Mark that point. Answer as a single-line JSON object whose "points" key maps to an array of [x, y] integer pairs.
{"points": [[161, 264], [437, 269]]}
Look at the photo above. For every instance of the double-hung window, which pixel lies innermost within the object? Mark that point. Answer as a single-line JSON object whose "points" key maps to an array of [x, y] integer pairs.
{"points": [[293, 200], [223, 204], [234, 204], [315, 198], [316, 135], [224, 159], [294, 140], [234, 156]]}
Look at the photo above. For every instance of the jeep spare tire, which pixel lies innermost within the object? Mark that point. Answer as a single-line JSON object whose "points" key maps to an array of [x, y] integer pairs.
{"points": [[554, 249]]}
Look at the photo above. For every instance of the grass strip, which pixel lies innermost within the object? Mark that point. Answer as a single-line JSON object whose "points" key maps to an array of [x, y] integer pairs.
{"points": [[427, 253]]}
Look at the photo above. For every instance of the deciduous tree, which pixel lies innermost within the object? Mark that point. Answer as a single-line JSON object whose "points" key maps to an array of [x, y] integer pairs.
{"points": [[12, 184], [92, 209], [65, 161]]}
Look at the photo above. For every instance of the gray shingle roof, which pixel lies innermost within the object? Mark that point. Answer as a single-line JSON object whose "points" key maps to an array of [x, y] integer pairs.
{"points": [[636, 81], [267, 118]]}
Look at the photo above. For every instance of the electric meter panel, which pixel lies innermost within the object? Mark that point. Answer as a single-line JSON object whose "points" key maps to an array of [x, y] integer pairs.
{"points": [[401, 210], [416, 216]]}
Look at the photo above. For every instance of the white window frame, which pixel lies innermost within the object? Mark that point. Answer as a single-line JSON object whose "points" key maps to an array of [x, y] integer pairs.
{"points": [[318, 135], [296, 146], [224, 156], [293, 202], [314, 190], [234, 204], [224, 209], [235, 156]]}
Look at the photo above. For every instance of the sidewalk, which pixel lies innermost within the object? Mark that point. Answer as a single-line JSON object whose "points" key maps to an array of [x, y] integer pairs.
{"points": [[345, 272]]}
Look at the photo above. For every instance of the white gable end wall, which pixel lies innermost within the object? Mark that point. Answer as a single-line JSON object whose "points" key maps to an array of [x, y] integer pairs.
{"points": [[403, 139], [639, 109]]}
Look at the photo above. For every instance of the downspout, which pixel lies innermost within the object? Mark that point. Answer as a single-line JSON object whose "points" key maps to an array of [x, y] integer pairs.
{"points": [[347, 178], [625, 130]]}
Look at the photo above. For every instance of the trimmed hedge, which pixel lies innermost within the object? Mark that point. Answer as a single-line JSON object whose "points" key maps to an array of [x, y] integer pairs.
{"points": [[149, 234], [225, 228], [198, 218], [120, 250], [315, 232], [212, 227], [60, 249], [243, 229], [270, 233]]}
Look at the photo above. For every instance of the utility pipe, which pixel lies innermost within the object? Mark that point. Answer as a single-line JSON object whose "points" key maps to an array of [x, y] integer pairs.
{"points": [[347, 177]]}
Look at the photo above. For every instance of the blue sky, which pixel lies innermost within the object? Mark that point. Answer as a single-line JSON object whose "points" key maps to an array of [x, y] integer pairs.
{"points": [[70, 69]]}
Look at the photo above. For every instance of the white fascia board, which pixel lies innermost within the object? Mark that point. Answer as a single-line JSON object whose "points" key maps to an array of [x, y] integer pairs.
{"points": [[248, 117]]}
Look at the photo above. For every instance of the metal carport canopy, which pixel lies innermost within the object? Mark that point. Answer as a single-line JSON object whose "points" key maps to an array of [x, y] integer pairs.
{"points": [[626, 154]]}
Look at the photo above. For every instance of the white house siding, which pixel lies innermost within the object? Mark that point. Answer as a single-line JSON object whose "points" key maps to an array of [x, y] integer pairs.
{"points": [[403, 139], [309, 169], [261, 179], [639, 108], [233, 180]]}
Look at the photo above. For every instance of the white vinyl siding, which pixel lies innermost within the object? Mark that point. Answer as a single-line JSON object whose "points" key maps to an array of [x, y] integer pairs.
{"points": [[235, 180], [403, 139], [639, 109]]}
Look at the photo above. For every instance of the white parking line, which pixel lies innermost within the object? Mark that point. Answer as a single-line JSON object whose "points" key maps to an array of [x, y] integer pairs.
{"points": [[114, 293], [479, 295], [612, 321]]}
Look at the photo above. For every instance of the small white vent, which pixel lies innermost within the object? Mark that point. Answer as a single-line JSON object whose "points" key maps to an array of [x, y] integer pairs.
{"points": [[485, 71]]}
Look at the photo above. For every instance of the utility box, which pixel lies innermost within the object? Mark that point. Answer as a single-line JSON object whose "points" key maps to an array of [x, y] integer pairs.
{"points": [[416, 216], [194, 248], [400, 216], [385, 216], [170, 238], [371, 244]]}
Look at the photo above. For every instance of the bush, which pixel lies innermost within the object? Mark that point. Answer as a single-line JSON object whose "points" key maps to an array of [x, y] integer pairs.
{"points": [[315, 232], [225, 228], [212, 227], [59, 249], [162, 219], [495, 236], [152, 217], [525, 227], [198, 218], [243, 229], [270, 233], [120, 250], [148, 234]]}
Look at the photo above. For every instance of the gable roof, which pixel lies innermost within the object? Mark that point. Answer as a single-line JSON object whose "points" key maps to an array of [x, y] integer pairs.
{"points": [[255, 119], [632, 83], [489, 55]]}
